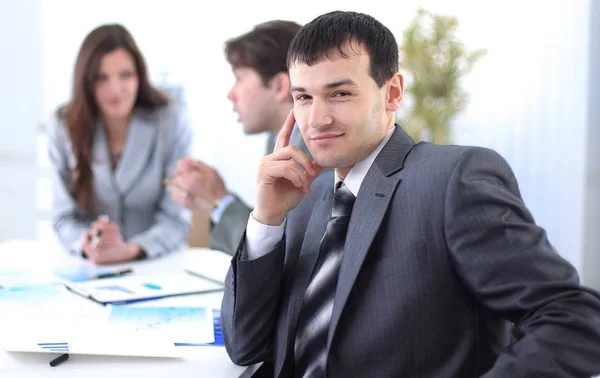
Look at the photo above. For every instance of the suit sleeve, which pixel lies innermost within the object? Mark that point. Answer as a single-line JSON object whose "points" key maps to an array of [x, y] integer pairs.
{"points": [[172, 222], [250, 305], [68, 223], [509, 265], [226, 234]]}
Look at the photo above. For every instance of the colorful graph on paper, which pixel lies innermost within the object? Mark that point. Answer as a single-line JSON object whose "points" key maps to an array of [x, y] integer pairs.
{"points": [[182, 324]]}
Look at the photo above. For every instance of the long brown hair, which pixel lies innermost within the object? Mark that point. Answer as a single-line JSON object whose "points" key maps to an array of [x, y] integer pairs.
{"points": [[81, 112]]}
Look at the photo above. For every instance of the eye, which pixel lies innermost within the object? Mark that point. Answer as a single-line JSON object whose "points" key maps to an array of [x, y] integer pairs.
{"points": [[341, 94], [100, 78], [302, 97], [126, 74]]}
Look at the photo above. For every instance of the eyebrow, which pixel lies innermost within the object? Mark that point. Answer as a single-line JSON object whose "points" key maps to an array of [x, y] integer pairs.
{"points": [[331, 85]]}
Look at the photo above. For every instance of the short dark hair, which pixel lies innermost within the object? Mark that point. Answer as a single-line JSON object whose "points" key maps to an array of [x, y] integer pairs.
{"points": [[324, 37], [263, 49]]}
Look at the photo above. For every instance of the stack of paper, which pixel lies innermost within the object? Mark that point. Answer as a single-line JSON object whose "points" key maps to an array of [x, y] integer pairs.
{"points": [[47, 319], [37, 318]]}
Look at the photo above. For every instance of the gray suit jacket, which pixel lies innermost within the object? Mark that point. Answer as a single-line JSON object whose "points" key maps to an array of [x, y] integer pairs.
{"points": [[134, 194], [440, 252], [225, 235]]}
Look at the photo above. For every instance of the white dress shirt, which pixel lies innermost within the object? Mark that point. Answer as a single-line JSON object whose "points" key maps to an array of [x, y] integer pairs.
{"points": [[261, 238]]}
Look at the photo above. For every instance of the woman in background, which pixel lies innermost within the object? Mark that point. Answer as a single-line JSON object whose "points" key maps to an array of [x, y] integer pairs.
{"points": [[111, 147]]}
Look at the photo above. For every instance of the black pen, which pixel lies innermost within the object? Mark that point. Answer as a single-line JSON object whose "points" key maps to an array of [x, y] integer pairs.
{"points": [[112, 274], [59, 360]]}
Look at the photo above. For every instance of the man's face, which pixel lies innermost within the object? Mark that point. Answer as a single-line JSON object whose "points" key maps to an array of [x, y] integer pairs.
{"points": [[341, 112], [252, 100]]}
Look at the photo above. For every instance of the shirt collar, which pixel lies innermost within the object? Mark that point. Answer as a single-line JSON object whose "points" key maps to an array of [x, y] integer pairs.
{"points": [[358, 172]]}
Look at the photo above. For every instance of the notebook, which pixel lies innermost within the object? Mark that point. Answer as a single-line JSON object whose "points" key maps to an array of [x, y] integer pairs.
{"points": [[143, 287]]}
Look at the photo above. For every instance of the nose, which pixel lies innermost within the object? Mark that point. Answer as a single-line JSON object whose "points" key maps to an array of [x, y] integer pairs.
{"points": [[319, 115], [115, 85], [231, 94]]}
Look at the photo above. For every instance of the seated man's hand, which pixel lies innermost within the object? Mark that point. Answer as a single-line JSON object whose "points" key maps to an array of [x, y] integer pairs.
{"points": [[197, 186]]}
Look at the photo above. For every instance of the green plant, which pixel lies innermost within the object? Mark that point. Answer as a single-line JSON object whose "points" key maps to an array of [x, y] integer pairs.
{"points": [[433, 62]]}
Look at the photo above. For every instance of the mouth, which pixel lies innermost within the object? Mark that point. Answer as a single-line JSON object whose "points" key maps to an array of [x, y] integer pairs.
{"points": [[114, 102], [325, 137]]}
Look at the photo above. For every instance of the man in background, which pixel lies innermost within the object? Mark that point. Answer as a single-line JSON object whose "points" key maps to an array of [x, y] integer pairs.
{"points": [[261, 98]]}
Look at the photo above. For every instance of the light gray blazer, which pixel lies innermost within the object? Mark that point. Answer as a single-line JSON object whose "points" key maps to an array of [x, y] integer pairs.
{"points": [[134, 194], [225, 236]]}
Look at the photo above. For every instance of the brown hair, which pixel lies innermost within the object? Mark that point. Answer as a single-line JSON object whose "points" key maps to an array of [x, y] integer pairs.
{"points": [[80, 113], [264, 48]]}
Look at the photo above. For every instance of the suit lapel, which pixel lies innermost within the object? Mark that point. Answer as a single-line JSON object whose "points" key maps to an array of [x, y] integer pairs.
{"points": [[369, 209], [101, 169], [270, 144], [141, 137]]}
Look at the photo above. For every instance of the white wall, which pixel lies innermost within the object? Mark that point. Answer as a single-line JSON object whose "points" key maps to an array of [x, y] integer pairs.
{"points": [[530, 104], [21, 110], [529, 94], [591, 239]]}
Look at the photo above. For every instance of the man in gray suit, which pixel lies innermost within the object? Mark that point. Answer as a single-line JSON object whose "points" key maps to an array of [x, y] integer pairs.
{"points": [[414, 261], [261, 97]]}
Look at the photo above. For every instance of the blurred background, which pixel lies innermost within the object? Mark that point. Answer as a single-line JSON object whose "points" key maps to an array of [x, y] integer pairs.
{"points": [[534, 95]]}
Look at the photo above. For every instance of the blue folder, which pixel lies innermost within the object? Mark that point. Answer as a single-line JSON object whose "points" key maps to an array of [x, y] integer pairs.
{"points": [[218, 333]]}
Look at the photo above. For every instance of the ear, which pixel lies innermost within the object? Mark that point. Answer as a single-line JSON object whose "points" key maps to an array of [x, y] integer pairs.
{"points": [[280, 83], [395, 92]]}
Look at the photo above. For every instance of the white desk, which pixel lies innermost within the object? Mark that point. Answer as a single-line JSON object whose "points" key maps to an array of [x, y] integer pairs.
{"points": [[198, 362]]}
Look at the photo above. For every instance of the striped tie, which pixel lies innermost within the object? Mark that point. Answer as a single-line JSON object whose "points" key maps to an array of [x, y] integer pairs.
{"points": [[315, 314]]}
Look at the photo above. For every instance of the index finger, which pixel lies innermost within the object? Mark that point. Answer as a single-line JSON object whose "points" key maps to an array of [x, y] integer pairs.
{"points": [[200, 166], [97, 226], [283, 138], [183, 165]]}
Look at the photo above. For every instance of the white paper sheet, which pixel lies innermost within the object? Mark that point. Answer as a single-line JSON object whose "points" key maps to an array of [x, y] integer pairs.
{"points": [[184, 325], [26, 278], [40, 304]]}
